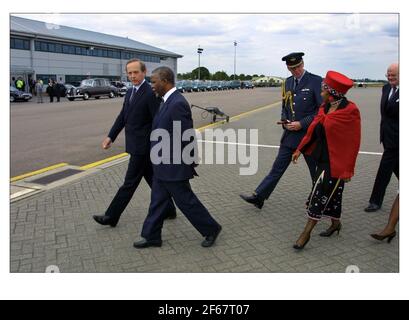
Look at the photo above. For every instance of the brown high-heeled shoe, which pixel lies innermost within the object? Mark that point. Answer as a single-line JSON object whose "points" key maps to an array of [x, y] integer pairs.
{"points": [[329, 232], [300, 247], [381, 238]]}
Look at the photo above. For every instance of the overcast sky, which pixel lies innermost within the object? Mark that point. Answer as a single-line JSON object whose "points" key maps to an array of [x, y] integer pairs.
{"points": [[359, 45]]}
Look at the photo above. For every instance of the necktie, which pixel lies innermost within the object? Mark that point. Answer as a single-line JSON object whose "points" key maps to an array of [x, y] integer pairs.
{"points": [[393, 92], [161, 104], [132, 95], [296, 83]]}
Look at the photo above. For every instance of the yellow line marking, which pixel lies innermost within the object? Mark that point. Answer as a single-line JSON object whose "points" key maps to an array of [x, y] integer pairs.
{"points": [[239, 116], [33, 173], [97, 163]]}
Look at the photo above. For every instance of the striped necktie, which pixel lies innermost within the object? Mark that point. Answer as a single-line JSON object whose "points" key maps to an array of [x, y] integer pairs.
{"points": [[134, 90]]}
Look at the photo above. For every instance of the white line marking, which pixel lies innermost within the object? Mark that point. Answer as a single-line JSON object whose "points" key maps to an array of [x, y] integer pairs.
{"points": [[271, 146]]}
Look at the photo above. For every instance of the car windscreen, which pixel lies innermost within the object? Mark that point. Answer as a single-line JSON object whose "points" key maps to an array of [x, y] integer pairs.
{"points": [[86, 83]]}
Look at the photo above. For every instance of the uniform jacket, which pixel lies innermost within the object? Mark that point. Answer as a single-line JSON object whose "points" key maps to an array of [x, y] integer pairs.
{"points": [[306, 99]]}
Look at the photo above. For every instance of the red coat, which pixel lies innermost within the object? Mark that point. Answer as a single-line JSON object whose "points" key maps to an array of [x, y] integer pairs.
{"points": [[343, 134]]}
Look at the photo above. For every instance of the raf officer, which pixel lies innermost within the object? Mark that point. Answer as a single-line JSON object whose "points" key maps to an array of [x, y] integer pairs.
{"points": [[301, 100]]}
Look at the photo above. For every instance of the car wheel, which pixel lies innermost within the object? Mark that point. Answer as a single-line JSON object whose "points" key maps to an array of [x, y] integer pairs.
{"points": [[97, 97], [12, 99], [86, 96], [71, 99], [111, 94]]}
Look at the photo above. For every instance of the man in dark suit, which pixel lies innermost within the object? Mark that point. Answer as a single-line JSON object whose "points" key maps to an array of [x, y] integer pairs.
{"points": [[389, 138], [139, 108], [301, 94], [171, 170]]}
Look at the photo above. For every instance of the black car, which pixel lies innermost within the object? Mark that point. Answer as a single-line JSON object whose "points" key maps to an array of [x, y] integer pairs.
{"points": [[121, 86], [17, 95], [93, 88]]}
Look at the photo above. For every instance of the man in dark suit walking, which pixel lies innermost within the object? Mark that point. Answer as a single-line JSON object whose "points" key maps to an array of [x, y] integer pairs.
{"points": [[389, 138], [172, 173], [301, 94], [139, 108]]}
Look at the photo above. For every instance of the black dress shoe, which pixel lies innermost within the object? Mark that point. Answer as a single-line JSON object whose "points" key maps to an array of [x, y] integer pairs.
{"points": [[147, 243], [210, 240], [105, 220], [372, 207], [253, 199], [171, 216]]}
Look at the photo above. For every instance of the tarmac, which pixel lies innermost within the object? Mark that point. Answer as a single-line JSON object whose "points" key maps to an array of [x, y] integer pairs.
{"points": [[51, 225]]}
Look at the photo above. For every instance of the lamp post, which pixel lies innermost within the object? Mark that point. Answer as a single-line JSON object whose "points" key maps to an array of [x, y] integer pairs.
{"points": [[199, 51], [235, 45]]}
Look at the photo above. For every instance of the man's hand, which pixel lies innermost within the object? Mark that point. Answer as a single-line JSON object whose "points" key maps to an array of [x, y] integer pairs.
{"points": [[293, 126], [106, 144], [295, 156]]}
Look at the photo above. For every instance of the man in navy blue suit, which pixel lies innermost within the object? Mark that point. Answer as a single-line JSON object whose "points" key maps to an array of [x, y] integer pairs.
{"points": [[171, 176], [139, 108], [389, 138], [301, 101]]}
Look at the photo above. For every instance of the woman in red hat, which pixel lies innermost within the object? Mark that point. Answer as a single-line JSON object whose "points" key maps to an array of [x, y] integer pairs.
{"points": [[333, 139]]}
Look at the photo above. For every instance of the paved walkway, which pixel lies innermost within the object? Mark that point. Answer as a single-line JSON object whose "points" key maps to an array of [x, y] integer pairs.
{"points": [[55, 227]]}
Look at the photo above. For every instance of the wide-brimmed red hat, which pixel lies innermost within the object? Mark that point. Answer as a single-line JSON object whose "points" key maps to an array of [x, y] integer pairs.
{"points": [[338, 82]]}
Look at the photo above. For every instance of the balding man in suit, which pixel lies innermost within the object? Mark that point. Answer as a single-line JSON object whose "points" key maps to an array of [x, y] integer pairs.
{"points": [[389, 138]]}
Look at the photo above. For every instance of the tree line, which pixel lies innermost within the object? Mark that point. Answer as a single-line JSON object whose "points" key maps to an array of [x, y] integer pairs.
{"points": [[218, 75]]}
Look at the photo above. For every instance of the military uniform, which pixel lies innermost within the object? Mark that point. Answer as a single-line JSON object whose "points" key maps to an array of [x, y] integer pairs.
{"points": [[301, 101]]}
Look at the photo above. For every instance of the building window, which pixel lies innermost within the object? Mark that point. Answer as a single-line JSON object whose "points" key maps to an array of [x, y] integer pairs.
{"points": [[21, 44], [16, 43], [46, 77], [58, 48]]}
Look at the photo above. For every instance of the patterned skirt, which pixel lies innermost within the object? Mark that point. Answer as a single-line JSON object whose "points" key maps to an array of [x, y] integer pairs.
{"points": [[325, 199]]}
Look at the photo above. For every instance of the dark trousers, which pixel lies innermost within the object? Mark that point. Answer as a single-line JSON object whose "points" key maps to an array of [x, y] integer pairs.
{"points": [[281, 163], [182, 193], [389, 164], [138, 167]]}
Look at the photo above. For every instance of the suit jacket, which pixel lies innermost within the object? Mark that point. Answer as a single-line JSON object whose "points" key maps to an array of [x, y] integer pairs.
{"points": [[389, 118], [136, 118], [176, 108], [306, 102]]}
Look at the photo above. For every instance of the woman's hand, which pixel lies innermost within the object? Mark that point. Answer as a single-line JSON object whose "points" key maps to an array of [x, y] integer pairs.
{"points": [[295, 156]]}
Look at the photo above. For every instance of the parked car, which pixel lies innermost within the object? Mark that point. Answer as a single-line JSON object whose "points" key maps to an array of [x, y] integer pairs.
{"points": [[122, 88], [93, 88], [225, 85], [17, 95], [235, 84], [184, 85], [248, 85]]}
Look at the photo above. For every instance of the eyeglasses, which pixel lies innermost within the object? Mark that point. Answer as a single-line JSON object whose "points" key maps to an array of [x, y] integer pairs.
{"points": [[393, 76]]}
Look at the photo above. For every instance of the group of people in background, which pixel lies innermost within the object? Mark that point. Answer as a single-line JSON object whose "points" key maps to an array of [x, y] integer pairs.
{"points": [[54, 89], [318, 121]]}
